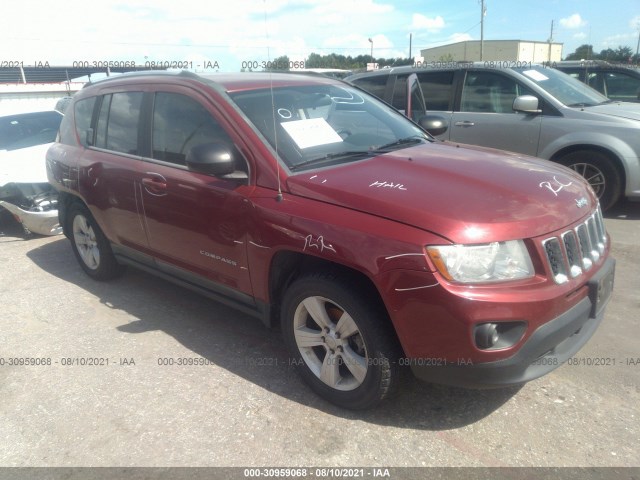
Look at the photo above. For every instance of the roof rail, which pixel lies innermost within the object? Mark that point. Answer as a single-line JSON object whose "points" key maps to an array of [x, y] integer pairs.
{"points": [[147, 73]]}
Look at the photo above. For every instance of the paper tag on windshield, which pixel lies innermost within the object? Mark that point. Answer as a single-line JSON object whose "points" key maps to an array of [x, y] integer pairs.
{"points": [[535, 75], [311, 132]]}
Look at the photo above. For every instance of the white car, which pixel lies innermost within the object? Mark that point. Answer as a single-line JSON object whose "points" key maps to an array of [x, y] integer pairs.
{"points": [[24, 189]]}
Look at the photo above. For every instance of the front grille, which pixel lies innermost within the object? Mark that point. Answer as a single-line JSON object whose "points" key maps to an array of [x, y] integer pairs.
{"points": [[575, 251]]}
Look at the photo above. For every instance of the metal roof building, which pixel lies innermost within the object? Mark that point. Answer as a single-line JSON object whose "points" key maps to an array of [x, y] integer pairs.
{"points": [[494, 50]]}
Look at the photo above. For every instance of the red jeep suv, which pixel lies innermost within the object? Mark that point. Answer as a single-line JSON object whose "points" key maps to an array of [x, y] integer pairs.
{"points": [[305, 201]]}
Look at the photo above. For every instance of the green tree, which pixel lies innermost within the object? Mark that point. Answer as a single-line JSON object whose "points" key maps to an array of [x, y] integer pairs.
{"points": [[279, 64], [620, 54], [583, 52], [394, 62]]}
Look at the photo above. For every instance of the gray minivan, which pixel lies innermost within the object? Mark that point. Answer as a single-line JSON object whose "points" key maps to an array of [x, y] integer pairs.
{"points": [[528, 109]]}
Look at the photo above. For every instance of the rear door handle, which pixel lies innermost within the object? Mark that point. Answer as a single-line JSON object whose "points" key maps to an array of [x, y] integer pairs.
{"points": [[464, 124]]}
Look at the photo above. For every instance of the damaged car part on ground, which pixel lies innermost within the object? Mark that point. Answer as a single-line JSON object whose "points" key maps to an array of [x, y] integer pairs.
{"points": [[33, 205], [308, 203]]}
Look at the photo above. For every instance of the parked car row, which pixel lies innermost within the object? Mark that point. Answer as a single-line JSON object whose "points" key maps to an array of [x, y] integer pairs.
{"points": [[534, 110], [307, 202]]}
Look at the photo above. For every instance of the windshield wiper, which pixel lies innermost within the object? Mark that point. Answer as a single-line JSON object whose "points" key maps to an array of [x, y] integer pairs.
{"points": [[576, 105], [403, 141], [354, 155]]}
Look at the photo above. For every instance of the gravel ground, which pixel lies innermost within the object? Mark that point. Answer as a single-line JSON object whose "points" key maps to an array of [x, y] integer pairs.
{"points": [[245, 406]]}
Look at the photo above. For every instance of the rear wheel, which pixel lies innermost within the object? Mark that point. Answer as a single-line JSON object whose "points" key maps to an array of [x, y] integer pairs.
{"points": [[601, 173], [90, 246], [342, 344]]}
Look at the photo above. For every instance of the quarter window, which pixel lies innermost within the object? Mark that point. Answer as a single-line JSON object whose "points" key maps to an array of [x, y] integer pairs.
{"points": [[83, 113], [375, 84]]}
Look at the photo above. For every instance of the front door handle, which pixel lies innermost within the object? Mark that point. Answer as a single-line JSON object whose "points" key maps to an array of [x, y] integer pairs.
{"points": [[464, 124]]}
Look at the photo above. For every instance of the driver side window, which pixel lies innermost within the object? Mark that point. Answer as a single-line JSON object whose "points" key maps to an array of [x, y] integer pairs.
{"points": [[488, 92], [181, 123]]}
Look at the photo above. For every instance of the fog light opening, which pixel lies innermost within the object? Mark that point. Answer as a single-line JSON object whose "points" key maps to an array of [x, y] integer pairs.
{"points": [[487, 335], [498, 335]]}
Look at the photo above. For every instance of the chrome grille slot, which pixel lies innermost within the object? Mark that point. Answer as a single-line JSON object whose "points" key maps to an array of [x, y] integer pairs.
{"points": [[575, 251], [556, 260], [593, 238], [585, 245]]}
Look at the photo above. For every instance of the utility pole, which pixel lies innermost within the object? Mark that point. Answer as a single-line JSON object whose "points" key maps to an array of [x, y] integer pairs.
{"points": [[638, 45], [550, 42], [483, 12], [410, 38]]}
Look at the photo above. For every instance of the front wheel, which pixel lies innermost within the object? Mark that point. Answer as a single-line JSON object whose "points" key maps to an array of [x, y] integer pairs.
{"points": [[90, 246], [601, 173], [342, 344]]}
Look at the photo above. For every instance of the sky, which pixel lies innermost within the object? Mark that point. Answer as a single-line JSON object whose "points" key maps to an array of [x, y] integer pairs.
{"points": [[226, 36]]}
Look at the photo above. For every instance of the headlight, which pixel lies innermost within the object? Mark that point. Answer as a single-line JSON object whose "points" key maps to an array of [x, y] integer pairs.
{"points": [[490, 262]]}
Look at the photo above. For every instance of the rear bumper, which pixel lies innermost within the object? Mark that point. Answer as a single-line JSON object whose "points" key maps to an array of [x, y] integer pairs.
{"points": [[547, 348]]}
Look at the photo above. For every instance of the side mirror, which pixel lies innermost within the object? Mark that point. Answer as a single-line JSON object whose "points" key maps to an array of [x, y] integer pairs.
{"points": [[526, 104], [212, 158], [434, 124]]}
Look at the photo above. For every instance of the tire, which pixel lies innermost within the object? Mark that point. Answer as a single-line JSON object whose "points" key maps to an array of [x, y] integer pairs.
{"points": [[601, 173], [90, 246], [353, 360]]}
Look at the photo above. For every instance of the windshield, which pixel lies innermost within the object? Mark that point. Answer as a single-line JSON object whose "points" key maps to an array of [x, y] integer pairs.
{"points": [[563, 87], [28, 129], [326, 124]]}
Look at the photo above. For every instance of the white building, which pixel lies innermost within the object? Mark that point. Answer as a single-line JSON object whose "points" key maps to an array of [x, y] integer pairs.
{"points": [[492, 50]]}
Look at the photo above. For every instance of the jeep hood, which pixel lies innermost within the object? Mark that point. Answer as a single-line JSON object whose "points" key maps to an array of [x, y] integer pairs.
{"points": [[467, 194]]}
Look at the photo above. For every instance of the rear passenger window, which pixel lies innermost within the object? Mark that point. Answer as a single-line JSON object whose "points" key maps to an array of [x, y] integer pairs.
{"points": [[437, 88], [118, 122], [181, 123]]}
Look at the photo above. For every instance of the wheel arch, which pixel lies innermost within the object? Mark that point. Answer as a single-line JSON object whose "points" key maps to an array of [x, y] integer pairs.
{"points": [[286, 266], [592, 148], [65, 200], [611, 155]]}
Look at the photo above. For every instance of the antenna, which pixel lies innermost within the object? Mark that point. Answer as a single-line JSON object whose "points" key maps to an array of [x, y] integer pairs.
{"points": [[279, 197]]}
